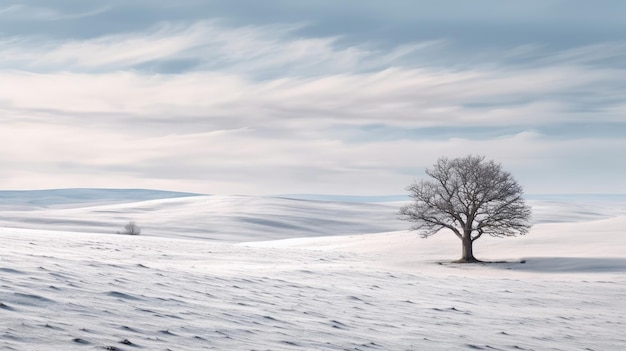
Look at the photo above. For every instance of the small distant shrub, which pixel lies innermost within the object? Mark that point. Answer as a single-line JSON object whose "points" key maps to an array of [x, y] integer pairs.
{"points": [[131, 228]]}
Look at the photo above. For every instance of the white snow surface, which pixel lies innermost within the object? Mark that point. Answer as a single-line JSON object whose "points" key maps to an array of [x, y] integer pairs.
{"points": [[217, 218], [208, 274]]}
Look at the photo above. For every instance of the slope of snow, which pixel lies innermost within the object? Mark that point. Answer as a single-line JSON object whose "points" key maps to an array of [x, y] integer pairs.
{"points": [[576, 209], [217, 218], [59, 198], [383, 291], [596, 246]]}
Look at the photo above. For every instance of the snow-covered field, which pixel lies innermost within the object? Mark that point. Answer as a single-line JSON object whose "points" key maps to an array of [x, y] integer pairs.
{"points": [[209, 272]]}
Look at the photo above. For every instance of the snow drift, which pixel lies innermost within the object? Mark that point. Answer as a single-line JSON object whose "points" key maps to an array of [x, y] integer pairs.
{"points": [[181, 289]]}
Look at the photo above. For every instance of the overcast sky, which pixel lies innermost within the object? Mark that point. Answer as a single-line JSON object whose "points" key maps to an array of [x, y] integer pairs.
{"points": [[351, 97]]}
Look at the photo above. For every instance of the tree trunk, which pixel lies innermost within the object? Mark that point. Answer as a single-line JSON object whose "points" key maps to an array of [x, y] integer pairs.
{"points": [[468, 250]]}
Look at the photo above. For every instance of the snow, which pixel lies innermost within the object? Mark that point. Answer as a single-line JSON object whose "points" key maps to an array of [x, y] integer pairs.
{"points": [[217, 218], [58, 198], [348, 278]]}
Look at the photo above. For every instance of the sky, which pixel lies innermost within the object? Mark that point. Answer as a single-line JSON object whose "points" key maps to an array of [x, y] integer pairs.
{"points": [[312, 96]]}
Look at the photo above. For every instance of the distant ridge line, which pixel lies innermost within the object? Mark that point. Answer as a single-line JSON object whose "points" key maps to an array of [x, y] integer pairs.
{"points": [[97, 189], [56, 197], [345, 198]]}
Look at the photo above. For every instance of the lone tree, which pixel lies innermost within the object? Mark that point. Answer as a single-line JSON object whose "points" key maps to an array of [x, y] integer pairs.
{"points": [[470, 197]]}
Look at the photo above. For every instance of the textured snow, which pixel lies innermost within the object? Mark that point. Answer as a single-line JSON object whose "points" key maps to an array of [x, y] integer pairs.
{"points": [[59, 198], [218, 218], [206, 274]]}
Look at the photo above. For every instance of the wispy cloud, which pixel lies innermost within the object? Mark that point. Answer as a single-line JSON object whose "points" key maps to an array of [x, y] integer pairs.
{"points": [[267, 109], [402, 97], [267, 51], [22, 12]]}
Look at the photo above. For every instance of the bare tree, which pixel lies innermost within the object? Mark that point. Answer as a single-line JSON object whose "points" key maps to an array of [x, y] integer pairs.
{"points": [[131, 228], [470, 197]]}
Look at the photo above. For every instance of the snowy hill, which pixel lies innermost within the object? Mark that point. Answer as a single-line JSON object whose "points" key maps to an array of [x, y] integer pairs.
{"points": [[57, 198], [216, 218], [226, 218], [207, 276]]}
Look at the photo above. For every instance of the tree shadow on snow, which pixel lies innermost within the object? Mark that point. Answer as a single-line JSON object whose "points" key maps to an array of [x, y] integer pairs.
{"points": [[564, 265]]}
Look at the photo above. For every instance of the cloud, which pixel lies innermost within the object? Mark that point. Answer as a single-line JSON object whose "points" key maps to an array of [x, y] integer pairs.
{"points": [[22, 12], [242, 161], [410, 98], [265, 109], [269, 50], [111, 52]]}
